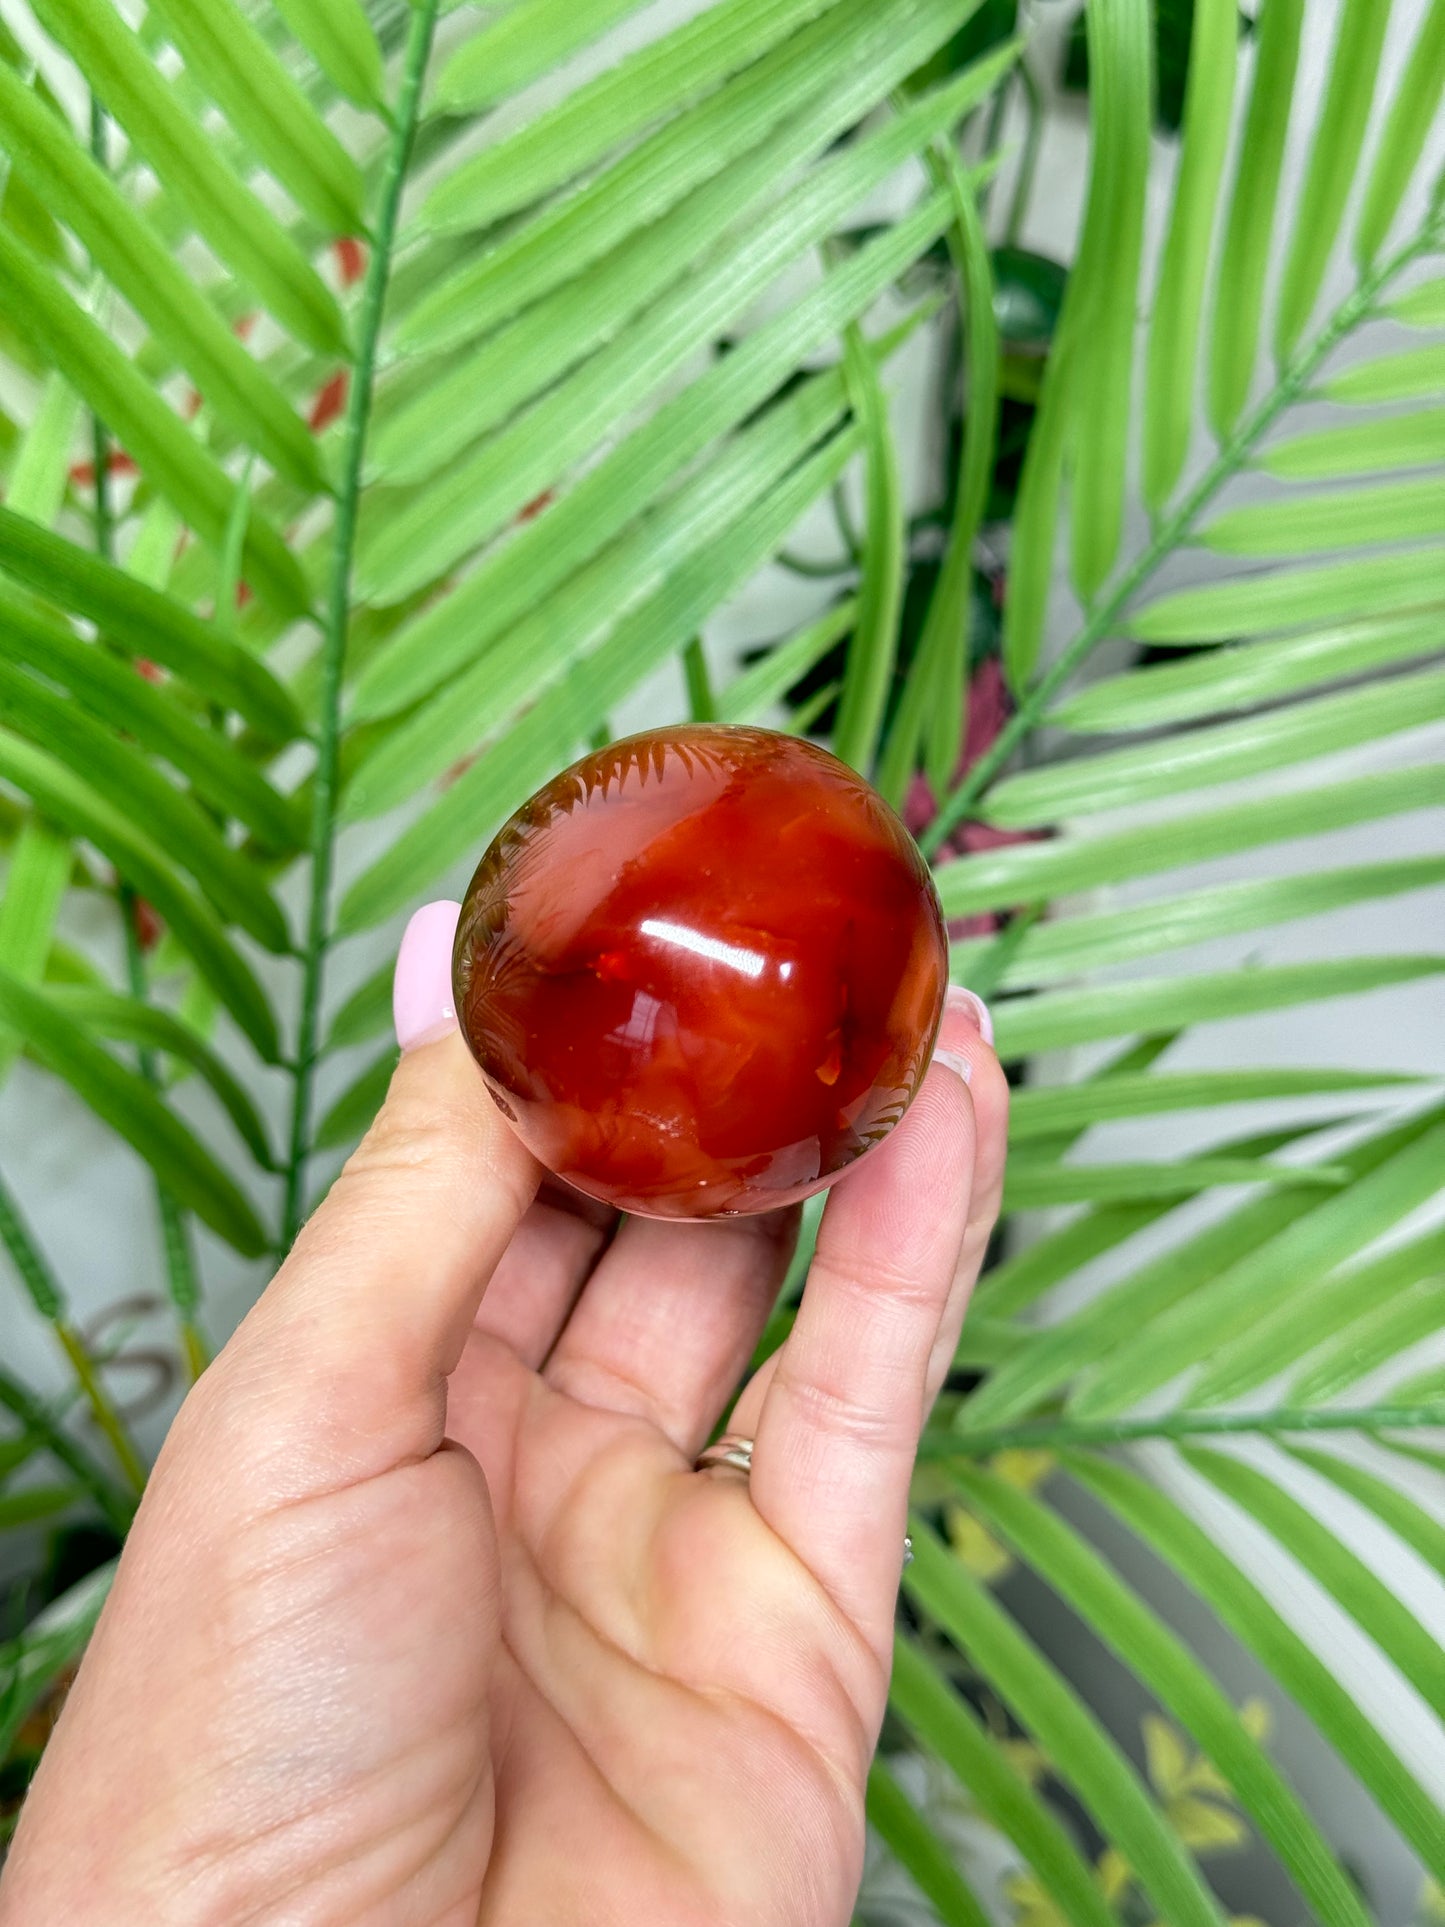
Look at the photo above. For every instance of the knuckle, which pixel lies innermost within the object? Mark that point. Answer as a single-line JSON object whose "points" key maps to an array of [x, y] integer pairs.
{"points": [[834, 1411], [878, 1280]]}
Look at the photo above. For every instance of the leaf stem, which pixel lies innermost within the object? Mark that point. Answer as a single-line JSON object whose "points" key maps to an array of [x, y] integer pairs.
{"points": [[338, 609], [184, 1286], [49, 1300], [1166, 538], [700, 699], [1029, 160], [1053, 1434], [116, 1505], [102, 1410]]}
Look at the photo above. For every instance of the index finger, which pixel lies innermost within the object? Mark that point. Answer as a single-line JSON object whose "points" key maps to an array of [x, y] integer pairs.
{"points": [[344, 1359]]}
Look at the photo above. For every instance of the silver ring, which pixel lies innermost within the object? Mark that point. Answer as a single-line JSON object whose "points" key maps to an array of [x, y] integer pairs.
{"points": [[736, 1452], [731, 1449]]}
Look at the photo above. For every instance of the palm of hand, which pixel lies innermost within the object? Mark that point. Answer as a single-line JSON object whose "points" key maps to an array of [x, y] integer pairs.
{"points": [[427, 1618], [655, 1712], [645, 1717]]}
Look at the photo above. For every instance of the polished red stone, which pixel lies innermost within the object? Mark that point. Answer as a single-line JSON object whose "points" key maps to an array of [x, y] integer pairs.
{"points": [[702, 971]]}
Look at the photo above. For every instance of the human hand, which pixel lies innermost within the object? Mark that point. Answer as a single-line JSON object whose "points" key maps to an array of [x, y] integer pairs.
{"points": [[427, 1618]]}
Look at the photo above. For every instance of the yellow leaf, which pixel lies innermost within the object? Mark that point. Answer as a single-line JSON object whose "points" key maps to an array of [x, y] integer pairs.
{"points": [[1203, 1826], [984, 1557], [1031, 1906], [1027, 1760], [1256, 1716], [1115, 1875], [1205, 1777], [1166, 1756], [1021, 1467]]}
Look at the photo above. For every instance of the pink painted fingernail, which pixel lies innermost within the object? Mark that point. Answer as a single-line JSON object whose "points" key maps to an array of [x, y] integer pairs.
{"points": [[969, 1005], [421, 992]]}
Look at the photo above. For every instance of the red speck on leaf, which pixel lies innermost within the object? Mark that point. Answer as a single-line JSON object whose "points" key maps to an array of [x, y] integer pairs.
{"points": [[148, 670], [117, 462], [241, 327], [458, 770], [329, 403], [148, 926], [350, 260], [535, 507]]}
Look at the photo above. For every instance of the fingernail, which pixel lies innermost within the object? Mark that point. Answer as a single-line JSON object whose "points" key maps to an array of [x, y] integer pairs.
{"points": [[970, 1005], [421, 992], [952, 1060]]}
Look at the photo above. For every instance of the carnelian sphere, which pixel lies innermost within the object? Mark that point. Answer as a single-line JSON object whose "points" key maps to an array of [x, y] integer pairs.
{"points": [[702, 971]]}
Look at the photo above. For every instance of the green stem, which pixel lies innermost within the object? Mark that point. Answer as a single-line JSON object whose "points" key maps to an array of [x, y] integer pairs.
{"points": [[1029, 160], [338, 609], [49, 1301], [814, 571], [993, 128], [107, 1418], [117, 1506], [1167, 537], [181, 1278], [1057, 1434], [843, 521], [700, 699]]}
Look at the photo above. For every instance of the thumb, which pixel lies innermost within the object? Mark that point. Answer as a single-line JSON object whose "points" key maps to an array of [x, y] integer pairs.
{"points": [[347, 1352]]}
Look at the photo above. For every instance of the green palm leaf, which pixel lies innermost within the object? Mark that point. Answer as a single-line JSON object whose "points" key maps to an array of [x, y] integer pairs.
{"points": [[251, 86], [344, 44], [128, 253], [444, 522], [1229, 1302], [1347, 1578], [1169, 413], [124, 1020], [1408, 1521], [548, 735], [1077, 1746], [1162, 1662], [510, 579], [1248, 1614], [1339, 137], [1002, 1795], [147, 624], [128, 1105], [1305, 1314], [68, 799], [529, 39], [1403, 136], [113, 693], [240, 229], [896, 1820]]}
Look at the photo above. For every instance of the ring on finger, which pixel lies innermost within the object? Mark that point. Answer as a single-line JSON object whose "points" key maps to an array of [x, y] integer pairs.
{"points": [[734, 1453]]}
